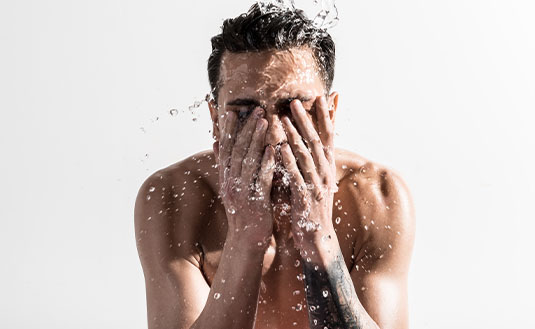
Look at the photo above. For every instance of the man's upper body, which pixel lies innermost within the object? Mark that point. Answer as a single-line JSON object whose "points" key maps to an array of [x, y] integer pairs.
{"points": [[274, 228]]}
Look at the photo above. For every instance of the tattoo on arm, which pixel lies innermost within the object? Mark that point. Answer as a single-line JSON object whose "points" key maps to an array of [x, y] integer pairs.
{"points": [[331, 297]]}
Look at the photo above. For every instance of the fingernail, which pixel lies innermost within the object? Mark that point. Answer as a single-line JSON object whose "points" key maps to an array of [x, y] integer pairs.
{"points": [[259, 125]]}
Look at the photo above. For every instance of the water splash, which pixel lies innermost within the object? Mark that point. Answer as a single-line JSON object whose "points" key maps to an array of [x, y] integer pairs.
{"points": [[193, 108], [322, 13]]}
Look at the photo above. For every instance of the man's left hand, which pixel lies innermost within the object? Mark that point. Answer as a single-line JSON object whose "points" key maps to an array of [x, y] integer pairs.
{"points": [[309, 159]]}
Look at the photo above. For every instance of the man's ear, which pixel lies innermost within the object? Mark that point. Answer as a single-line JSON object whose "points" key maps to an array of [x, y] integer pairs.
{"points": [[332, 102], [212, 106]]}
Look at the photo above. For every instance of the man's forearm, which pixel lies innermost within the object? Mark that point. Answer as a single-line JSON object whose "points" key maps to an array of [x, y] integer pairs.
{"points": [[331, 297], [233, 298]]}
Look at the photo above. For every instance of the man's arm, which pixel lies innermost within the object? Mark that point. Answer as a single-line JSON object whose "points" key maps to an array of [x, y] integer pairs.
{"points": [[331, 296], [178, 295], [169, 226], [373, 293]]}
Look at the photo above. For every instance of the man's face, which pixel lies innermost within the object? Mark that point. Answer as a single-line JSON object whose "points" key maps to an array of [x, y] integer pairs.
{"points": [[271, 80]]}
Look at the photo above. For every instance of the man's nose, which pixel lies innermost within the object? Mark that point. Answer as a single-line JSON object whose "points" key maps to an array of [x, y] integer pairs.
{"points": [[275, 133]]}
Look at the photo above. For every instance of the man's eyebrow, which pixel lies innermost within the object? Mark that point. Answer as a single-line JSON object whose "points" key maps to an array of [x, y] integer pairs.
{"points": [[280, 102], [244, 102], [287, 101]]}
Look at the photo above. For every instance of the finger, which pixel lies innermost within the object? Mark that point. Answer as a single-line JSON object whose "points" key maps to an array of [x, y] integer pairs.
{"points": [[215, 147], [325, 126], [252, 161], [299, 149], [242, 143], [297, 183], [227, 139], [311, 137], [265, 175]]}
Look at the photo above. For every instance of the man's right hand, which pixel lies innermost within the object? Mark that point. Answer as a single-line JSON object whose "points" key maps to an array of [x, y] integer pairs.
{"points": [[245, 177]]}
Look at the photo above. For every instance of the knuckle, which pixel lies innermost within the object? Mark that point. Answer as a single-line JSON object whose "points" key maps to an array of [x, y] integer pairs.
{"points": [[301, 153]]}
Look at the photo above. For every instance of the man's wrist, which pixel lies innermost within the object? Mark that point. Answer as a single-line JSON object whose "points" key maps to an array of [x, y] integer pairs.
{"points": [[321, 249], [243, 245]]}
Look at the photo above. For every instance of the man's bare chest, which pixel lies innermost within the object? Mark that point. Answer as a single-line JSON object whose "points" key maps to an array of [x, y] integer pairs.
{"points": [[282, 262]]}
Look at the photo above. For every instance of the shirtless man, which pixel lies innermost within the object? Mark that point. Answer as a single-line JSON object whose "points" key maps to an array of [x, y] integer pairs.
{"points": [[274, 228]]}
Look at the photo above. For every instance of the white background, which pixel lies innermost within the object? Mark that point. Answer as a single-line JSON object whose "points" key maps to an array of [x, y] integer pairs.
{"points": [[441, 91]]}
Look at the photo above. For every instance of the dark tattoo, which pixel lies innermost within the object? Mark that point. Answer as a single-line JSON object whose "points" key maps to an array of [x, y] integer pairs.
{"points": [[331, 297]]}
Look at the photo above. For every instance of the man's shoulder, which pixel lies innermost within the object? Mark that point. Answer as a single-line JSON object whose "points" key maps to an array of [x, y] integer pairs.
{"points": [[199, 169], [350, 165], [378, 193], [186, 180]]}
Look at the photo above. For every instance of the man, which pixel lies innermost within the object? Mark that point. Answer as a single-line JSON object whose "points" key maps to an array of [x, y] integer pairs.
{"points": [[275, 228]]}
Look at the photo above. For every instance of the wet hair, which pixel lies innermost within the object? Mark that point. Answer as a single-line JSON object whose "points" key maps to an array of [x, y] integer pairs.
{"points": [[269, 27]]}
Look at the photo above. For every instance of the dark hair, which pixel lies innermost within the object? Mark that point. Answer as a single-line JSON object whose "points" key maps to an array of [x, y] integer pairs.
{"points": [[267, 27]]}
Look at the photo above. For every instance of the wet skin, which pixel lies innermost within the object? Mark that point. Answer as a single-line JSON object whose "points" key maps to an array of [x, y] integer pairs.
{"points": [[211, 253]]}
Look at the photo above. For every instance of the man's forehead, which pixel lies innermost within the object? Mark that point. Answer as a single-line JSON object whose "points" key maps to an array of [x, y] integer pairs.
{"points": [[265, 64], [275, 73]]}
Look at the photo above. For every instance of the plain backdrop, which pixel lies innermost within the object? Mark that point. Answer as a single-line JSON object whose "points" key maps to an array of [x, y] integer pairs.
{"points": [[443, 92]]}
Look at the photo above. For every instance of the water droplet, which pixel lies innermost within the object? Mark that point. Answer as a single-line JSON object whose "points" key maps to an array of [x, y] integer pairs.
{"points": [[148, 197], [217, 295], [296, 292], [173, 112], [231, 211], [298, 307], [325, 293], [366, 227], [151, 189], [297, 262], [344, 167], [337, 220]]}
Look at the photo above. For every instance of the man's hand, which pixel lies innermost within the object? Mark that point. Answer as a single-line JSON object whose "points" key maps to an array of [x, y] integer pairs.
{"points": [[310, 161], [245, 179], [331, 297]]}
